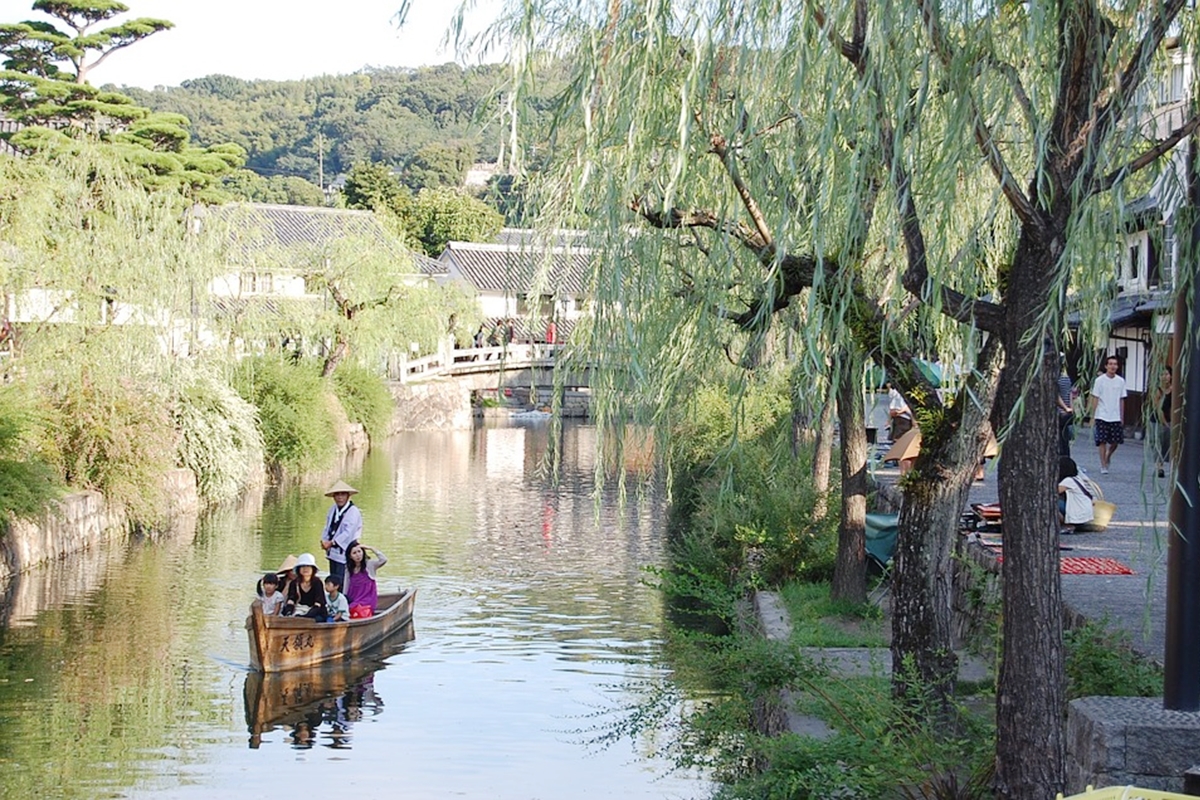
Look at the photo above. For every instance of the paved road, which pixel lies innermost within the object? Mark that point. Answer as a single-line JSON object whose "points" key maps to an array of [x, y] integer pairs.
{"points": [[1136, 537]]}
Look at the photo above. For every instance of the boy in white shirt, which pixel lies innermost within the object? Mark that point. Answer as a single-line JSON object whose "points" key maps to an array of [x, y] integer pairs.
{"points": [[272, 598], [336, 604]]}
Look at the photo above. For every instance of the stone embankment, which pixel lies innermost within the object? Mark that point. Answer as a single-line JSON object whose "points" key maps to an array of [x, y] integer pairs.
{"points": [[83, 520]]}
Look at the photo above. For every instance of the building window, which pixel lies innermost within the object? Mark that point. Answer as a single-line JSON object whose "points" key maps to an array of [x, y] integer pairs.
{"points": [[256, 283], [1138, 270]]}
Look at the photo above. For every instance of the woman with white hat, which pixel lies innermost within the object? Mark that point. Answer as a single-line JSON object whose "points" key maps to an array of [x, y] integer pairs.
{"points": [[343, 525], [305, 594]]}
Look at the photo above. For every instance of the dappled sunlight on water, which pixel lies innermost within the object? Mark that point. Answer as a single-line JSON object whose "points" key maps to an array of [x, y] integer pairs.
{"points": [[124, 673]]}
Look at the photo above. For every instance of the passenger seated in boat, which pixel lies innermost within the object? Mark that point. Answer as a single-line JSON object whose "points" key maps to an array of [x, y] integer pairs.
{"points": [[335, 601], [272, 598], [361, 589], [306, 594]]}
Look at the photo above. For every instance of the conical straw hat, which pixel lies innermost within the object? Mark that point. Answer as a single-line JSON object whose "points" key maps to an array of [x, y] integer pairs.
{"points": [[906, 447], [341, 486], [288, 565]]}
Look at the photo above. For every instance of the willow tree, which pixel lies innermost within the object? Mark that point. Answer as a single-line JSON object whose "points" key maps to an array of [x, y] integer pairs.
{"points": [[1039, 100], [770, 192]]}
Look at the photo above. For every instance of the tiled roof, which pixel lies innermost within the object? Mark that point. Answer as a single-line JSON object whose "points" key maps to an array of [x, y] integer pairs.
{"points": [[258, 227], [509, 269], [532, 239]]}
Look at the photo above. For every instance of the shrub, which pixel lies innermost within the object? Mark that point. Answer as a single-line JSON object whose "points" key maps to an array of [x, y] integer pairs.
{"points": [[27, 483], [757, 501], [1101, 662], [297, 423], [112, 433], [365, 397], [219, 439]]}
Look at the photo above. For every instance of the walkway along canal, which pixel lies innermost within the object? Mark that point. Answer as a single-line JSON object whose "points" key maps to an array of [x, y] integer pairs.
{"points": [[534, 636]]}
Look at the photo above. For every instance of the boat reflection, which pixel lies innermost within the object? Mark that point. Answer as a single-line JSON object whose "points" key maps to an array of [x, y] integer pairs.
{"points": [[318, 705]]}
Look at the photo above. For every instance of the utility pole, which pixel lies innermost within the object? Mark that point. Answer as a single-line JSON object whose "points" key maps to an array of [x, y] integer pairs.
{"points": [[1181, 657]]}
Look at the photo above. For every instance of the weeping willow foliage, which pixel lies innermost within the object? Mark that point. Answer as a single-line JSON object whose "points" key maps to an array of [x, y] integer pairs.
{"points": [[219, 438], [365, 398], [97, 269], [376, 300], [697, 105], [27, 483], [110, 432], [295, 411]]}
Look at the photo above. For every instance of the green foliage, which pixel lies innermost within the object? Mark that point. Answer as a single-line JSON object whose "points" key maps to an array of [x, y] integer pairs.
{"points": [[44, 86], [111, 432], [737, 482], [375, 187], [376, 116], [437, 165], [278, 189], [27, 483], [443, 215], [219, 439], [1101, 662], [298, 425], [365, 397], [880, 748]]}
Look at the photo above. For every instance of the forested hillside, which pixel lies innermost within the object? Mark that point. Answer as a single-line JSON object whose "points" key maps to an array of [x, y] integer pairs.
{"points": [[428, 124]]}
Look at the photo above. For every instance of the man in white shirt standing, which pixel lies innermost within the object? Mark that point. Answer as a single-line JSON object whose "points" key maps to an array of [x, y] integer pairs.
{"points": [[1107, 407]]}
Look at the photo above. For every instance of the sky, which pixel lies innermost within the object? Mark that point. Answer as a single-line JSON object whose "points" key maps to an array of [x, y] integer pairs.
{"points": [[276, 39]]}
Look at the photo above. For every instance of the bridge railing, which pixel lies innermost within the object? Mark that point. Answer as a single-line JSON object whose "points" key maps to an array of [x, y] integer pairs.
{"points": [[461, 361]]}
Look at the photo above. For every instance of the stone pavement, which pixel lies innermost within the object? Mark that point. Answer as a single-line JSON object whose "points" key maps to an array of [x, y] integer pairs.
{"points": [[1136, 537]]}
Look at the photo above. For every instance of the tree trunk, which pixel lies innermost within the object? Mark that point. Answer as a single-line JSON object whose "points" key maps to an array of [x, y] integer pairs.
{"points": [[823, 451], [340, 348], [935, 491], [850, 569], [1030, 742]]}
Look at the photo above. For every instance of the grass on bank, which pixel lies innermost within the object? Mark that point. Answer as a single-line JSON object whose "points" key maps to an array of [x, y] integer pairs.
{"points": [[819, 621]]}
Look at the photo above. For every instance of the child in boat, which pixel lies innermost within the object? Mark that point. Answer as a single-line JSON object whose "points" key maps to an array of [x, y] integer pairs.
{"points": [[272, 598], [335, 602]]}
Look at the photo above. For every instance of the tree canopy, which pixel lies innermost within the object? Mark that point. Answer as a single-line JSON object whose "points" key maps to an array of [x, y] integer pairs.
{"points": [[44, 87], [981, 154], [425, 124]]}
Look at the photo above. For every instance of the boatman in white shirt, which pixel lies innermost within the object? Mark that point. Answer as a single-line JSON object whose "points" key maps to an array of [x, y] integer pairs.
{"points": [[1107, 407], [343, 525]]}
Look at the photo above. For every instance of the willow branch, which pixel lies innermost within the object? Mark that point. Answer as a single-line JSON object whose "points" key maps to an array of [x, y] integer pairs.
{"points": [[720, 148], [1009, 73], [1022, 206], [1147, 158], [1108, 112]]}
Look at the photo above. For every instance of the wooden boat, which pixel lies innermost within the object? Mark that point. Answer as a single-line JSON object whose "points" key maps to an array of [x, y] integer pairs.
{"points": [[282, 643]]}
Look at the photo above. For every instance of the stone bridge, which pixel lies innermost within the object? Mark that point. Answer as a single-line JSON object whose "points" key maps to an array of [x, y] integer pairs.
{"points": [[441, 390]]}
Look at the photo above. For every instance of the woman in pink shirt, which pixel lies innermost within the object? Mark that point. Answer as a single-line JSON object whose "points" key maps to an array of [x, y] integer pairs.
{"points": [[361, 589]]}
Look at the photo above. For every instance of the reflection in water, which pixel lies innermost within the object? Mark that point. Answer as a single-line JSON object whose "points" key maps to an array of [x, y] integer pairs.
{"points": [[318, 702], [534, 614]]}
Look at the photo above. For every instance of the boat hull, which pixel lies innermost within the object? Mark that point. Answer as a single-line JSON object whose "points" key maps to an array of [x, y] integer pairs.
{"points": [[286, 643]]}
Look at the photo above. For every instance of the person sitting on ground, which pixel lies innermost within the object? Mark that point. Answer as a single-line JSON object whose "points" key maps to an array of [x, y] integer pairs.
{"points": [[335, 602], [361, 589], [1075, 503], [306, 594], [272, 598]]}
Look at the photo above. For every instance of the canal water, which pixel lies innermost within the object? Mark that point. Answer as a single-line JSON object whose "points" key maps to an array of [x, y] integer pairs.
{"points": [[123, 671]]}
